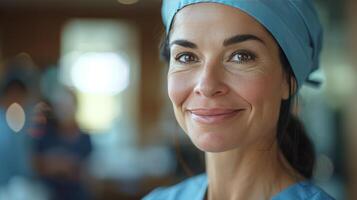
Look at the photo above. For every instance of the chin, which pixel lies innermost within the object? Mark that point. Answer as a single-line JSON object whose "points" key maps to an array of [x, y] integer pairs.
{"points": [[211, 142]]}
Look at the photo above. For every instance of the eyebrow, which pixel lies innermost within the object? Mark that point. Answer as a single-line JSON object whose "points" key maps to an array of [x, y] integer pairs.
{"points": [[230, 41], [184, 43], [241, 38]]}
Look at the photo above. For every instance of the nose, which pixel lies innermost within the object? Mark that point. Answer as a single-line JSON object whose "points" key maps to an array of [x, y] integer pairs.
{"points": [[211, 82]]}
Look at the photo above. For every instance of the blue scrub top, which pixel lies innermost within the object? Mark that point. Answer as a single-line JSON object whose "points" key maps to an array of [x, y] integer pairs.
{"points": [[195, 188]]}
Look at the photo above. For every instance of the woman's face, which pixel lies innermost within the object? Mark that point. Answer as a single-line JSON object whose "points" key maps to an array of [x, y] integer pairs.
{"points": [[225, 79]]}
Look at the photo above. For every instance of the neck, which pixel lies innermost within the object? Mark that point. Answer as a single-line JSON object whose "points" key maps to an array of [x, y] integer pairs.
{"points": [[249, 173]]}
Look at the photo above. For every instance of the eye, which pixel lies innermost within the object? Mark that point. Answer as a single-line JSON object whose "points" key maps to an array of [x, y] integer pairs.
{"points": [[186, 58], [241, 57]]}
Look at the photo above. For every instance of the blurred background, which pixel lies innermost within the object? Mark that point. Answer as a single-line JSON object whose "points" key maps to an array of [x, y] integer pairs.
{"points": [[84, 112]]}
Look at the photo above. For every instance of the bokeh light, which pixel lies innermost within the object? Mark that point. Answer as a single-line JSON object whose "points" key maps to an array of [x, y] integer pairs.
{"points": [[15, 117], [128, 2], [100, 73]]}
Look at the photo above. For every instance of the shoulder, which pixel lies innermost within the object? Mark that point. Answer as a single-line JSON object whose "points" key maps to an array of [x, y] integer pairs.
{"points": [[305, 190], [193, 188]]}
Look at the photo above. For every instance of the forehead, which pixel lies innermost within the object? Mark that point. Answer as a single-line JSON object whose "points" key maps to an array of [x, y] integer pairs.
{"points": [[203, 19]]}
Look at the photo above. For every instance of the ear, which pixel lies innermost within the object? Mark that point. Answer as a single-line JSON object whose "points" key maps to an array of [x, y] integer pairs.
{"points": [[288, 87]]}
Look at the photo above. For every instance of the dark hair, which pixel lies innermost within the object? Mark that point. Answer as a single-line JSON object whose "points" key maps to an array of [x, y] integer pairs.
{"points": [[292, 138]]}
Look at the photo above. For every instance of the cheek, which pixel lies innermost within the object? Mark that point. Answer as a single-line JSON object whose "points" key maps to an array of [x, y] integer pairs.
{"points": [[260, 90], [252, 90], [264, 95], [179, 88]]}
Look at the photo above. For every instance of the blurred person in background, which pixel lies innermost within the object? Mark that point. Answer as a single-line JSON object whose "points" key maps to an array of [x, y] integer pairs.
{"points": [[61, 149], [14, 144], [16, 106], [234, 69]]}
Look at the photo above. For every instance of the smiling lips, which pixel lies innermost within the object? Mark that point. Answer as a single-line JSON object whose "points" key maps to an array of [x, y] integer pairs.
{"points": [[213, 116]]}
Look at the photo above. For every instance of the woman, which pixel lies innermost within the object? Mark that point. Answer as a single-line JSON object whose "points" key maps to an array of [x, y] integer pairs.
{"points": [[234, 66]]}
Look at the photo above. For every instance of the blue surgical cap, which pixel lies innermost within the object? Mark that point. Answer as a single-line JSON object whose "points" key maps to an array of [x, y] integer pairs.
{"points": [[293, 23]]}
